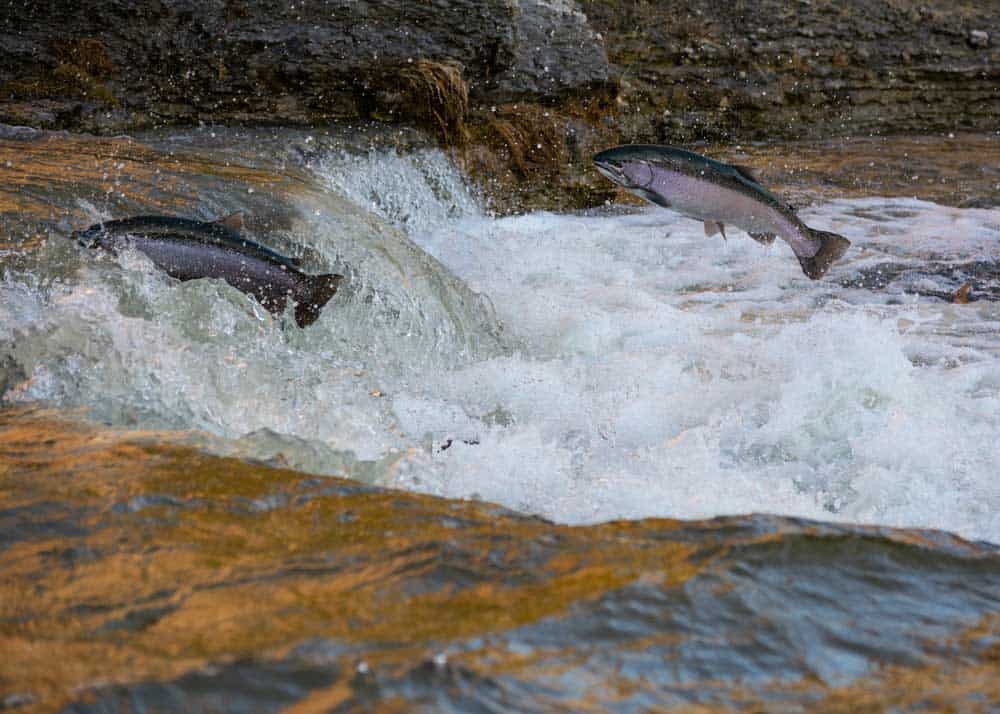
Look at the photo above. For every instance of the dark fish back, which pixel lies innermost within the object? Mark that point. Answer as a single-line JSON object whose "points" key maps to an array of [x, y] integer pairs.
{"points": [[735, 174], [186, 259], [210, 233]]}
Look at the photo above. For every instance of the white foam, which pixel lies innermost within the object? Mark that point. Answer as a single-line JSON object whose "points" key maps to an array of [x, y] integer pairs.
{"points": [[670, 374]]}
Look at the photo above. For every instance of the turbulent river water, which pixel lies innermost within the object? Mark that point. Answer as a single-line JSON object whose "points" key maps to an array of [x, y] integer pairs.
{"points": [[594, 368], [602, 365]]}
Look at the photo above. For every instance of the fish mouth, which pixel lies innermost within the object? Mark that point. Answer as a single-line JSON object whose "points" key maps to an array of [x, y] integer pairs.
{"points": [[612, 172]]}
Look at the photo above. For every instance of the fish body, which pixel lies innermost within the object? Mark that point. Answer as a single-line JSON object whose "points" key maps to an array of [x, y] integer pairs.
{"points": [[718, 194], [188, 250]]}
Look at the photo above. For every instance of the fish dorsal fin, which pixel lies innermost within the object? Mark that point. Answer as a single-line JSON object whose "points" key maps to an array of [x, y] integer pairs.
{"points": [[234, 221], [270, 254], [746, 173]]}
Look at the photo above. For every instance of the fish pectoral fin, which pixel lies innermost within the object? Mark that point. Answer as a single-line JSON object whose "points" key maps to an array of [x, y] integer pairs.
{"points": [[764, 238], [713, 227], [652, 197], [962, 295], [234, 221]]}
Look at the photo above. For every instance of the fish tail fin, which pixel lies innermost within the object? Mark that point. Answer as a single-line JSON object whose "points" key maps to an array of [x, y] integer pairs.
{"points": [[321, 289], [832, 246]]}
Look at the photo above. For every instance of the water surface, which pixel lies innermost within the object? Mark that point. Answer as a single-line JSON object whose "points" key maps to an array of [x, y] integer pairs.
{"points": [[585, 367]]}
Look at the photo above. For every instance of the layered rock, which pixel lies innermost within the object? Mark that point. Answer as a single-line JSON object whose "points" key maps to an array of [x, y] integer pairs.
{"points": [[765, 69], [524, 86], [698, 72]]}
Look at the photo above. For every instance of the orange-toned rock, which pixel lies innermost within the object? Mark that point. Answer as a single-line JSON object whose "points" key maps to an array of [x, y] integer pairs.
{"points": [[140, 570]]}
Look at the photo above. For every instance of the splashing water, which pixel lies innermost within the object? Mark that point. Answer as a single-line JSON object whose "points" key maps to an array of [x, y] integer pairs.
{"points": [[417, 192], [644, 368]]}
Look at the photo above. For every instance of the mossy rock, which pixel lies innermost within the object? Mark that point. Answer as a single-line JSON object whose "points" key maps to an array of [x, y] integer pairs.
{"points": [[62, 82]]}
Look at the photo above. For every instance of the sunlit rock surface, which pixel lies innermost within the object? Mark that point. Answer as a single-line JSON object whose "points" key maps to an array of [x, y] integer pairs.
{"points": [[143, 575]]}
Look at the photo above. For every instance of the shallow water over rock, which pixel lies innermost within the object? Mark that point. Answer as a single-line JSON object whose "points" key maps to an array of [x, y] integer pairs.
{"points": [[147, 576]]}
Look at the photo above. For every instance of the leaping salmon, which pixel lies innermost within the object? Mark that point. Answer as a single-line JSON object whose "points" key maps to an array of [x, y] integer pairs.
{"points": [[718, 194], [188, 250]]}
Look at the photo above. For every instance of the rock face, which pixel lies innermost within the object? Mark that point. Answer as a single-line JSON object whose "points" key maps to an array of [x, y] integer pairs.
{"points": [[764, 69], [556, 53], [690, 69], [114, 63], [529, 88], [696, 71]]}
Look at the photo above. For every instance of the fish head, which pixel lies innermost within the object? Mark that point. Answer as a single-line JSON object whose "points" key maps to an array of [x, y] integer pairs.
{"points": [[624, 167], [632, 168], [611, 168]]}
